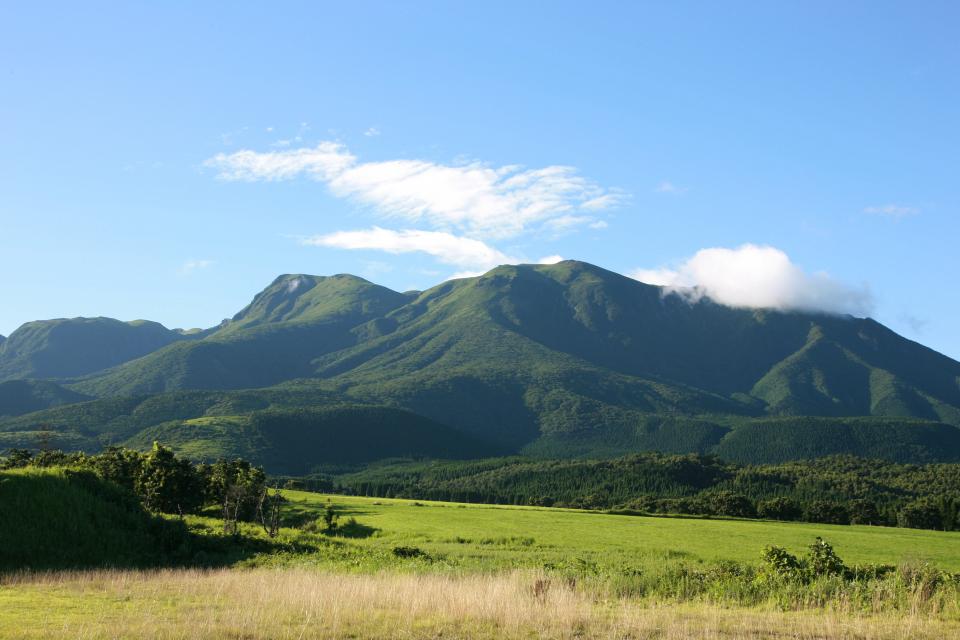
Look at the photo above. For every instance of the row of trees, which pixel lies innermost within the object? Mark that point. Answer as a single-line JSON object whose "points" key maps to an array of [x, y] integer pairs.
{"points": [[921, 513]]}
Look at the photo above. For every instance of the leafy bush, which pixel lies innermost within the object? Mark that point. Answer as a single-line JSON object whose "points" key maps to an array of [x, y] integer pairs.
{"points": [[827, 512], [779, 508], [920, 514]]}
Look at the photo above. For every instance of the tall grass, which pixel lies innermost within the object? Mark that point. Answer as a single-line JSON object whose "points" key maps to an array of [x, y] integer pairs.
{"points": [[299, 603]]}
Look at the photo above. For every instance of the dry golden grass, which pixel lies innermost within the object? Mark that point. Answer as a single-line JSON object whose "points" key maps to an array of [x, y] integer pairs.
{"points": [[298, 603]]}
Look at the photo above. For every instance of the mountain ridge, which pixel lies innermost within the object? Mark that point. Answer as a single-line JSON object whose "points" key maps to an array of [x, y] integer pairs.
{"points": [[526, 352]]}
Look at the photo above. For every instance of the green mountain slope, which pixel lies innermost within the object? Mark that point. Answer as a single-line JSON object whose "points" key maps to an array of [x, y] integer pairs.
{"points": [[568, 347], [26, 396], [71, 347], [288, 430], [275, 338], [296, 441]]}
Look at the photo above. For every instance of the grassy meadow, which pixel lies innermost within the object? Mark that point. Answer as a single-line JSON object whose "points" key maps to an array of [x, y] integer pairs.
{"points": [[408, 569], [494, 536]]}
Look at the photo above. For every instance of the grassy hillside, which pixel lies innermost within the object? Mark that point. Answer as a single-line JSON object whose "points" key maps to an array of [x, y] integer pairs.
{"points": [[18, 397], [56, 518], [208, 424], [288, 430], [295, 441], [71, 347], [92, 425]]}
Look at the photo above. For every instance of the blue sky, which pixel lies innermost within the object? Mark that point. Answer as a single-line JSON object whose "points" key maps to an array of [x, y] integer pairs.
{"points": [[167, 161]]}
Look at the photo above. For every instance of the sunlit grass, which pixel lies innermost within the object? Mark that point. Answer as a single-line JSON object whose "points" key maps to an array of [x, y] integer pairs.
{"points": [[299, 603], [459, 532]]}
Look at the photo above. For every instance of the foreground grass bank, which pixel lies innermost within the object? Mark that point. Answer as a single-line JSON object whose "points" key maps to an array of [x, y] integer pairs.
{"points": [[299, 603]]}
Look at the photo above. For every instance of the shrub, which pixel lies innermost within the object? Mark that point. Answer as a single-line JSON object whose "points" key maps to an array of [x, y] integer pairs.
{"points": [[824, 561], [779, 509], [864, 512], [920, 514], [827, 512], [728, 503], [781, 562]]}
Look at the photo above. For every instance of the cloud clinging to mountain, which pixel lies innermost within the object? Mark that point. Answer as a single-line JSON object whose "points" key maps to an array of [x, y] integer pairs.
{"points": [[755, 276]]}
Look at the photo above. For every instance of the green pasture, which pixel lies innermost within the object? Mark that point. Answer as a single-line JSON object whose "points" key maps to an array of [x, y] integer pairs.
{"points": [[495, 536]]}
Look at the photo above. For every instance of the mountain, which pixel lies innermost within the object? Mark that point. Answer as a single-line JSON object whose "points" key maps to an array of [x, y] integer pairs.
{"points": [[564, 359], [70, 347], [575, 346]]}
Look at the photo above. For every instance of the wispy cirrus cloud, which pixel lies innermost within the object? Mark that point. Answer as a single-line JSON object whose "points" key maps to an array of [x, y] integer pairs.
{"points": [[895, 211], [189, 266], [669, 188], [755, 276], [458, 251], [474, 198]]}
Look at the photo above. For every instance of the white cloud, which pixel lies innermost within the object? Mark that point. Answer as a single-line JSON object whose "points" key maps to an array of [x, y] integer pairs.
{"points": [[662, 277], [892, 210], [326, 160], [372, 132], [757, 277], [568, 222], [474, 199], [190, 266], [554, 259], [466, 253], [669, 187]]}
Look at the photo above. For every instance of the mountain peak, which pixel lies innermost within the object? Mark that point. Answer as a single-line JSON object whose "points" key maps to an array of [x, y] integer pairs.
{"points": [[302, 297]]}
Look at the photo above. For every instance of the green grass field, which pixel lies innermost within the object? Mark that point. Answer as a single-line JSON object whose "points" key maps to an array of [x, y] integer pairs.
{"points": [[433, 569], [496, 536]]}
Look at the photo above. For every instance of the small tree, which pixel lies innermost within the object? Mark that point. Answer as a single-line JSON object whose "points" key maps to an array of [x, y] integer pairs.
{"points": [[330, 518], [167, 483], [268, 510], [728, 503], [863, 512], [237, 484]]}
